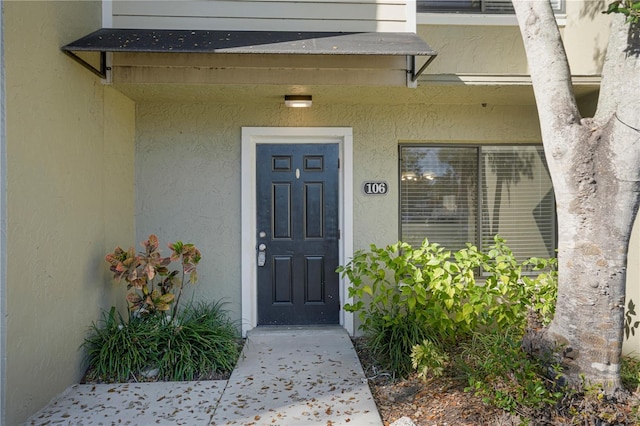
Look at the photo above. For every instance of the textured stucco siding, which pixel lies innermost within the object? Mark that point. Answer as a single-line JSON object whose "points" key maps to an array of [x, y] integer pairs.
{"points": [[475, 49], [69, 147], [586, 35], [498, 50], [188, 169]]}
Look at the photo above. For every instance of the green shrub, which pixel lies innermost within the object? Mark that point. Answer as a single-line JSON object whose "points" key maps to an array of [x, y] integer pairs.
{"points": [[542, 289], [630, 373], [158, 337], [391, 337], [504, 375], [436, 291], [429, 359], [200, 341], [118, 350]]}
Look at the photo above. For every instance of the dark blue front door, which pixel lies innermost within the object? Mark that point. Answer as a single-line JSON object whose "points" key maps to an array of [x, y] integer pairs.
{"points": [[297, 224]]}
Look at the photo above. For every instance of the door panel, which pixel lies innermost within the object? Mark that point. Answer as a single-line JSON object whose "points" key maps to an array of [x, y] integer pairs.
{"points": [[281, 226], [282, 280], [314, 213], [297, 223]]}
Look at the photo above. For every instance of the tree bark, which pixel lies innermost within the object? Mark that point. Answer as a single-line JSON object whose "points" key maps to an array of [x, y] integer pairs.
{"points": [[594, 165]]}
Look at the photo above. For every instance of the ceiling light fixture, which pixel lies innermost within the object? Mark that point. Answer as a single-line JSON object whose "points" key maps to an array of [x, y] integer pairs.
{"points": [[297, 101]]}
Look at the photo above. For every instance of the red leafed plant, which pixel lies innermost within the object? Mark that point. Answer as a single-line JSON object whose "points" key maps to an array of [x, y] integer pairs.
{"points": [[152, 287]]}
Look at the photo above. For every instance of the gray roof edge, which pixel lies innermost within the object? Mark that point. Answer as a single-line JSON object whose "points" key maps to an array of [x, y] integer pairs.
{"points": [[251, 42]]}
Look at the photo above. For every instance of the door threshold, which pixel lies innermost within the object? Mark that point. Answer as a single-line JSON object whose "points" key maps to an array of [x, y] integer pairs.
{"points": [[290, 328]]}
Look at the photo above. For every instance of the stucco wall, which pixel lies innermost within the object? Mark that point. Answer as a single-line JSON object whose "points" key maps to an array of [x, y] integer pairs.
{"points": [[476, 49], [69, 144], [188, 168], [586, 35], [490, 49]]}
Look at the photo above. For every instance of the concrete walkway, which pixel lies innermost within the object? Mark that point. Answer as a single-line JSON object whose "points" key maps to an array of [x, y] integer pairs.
{"points": [[285, 376]]}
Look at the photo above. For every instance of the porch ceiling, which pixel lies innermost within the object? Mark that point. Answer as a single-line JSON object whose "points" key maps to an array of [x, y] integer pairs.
{"points": [[427, 93]]}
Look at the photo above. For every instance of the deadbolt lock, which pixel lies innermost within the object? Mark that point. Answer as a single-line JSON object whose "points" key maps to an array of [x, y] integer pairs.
{"points": [[262, 255]]}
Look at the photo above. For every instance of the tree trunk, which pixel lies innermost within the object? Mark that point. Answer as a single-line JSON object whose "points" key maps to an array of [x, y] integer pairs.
{"points": [[595, 221], [594, 165]]}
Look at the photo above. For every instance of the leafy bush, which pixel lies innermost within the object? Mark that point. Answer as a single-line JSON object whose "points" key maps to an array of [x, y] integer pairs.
{"points": [[630, 323], [629, 8], [542, 289], [152, 287], [391, 338], [429, 359], [181, 346], [201, 340], [118, 351], [436, 291], [630, 372], [504, 375]]}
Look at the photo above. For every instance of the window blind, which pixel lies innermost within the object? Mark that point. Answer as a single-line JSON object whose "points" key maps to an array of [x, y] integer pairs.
{"points": [[517, 200], [478, 6], [506, 6], [438, 189], [454, 195]]}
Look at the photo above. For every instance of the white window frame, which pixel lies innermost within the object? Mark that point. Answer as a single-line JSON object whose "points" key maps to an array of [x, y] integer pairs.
{"points": [[479, 18], [478, 242]]}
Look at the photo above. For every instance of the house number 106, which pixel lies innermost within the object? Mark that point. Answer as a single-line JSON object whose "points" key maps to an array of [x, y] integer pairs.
{"points": [[375, 188]]}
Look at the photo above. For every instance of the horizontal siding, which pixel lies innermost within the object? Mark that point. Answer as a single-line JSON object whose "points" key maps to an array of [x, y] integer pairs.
{"points": [[251, 24], [263, 15], [230, 60], [136, 75], [186, 68], [264, 10]]}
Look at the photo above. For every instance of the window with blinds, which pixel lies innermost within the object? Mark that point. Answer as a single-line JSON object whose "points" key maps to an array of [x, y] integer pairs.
{"points": [[475, 6], [453, 195]]}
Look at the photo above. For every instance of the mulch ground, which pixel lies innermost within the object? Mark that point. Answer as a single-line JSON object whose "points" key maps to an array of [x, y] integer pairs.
{"points": [[444, 401], [437, 402]]}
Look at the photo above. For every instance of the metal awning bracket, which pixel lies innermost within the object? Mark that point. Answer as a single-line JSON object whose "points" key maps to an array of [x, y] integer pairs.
{"points": [[100, 72], [415, 75]]}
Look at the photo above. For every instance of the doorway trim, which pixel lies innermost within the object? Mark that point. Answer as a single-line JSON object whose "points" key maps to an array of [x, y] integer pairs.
{"points": [[251, 136]]}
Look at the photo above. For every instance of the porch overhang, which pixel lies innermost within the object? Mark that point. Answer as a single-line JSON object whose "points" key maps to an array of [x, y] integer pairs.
{"points": [[258, 43]]}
